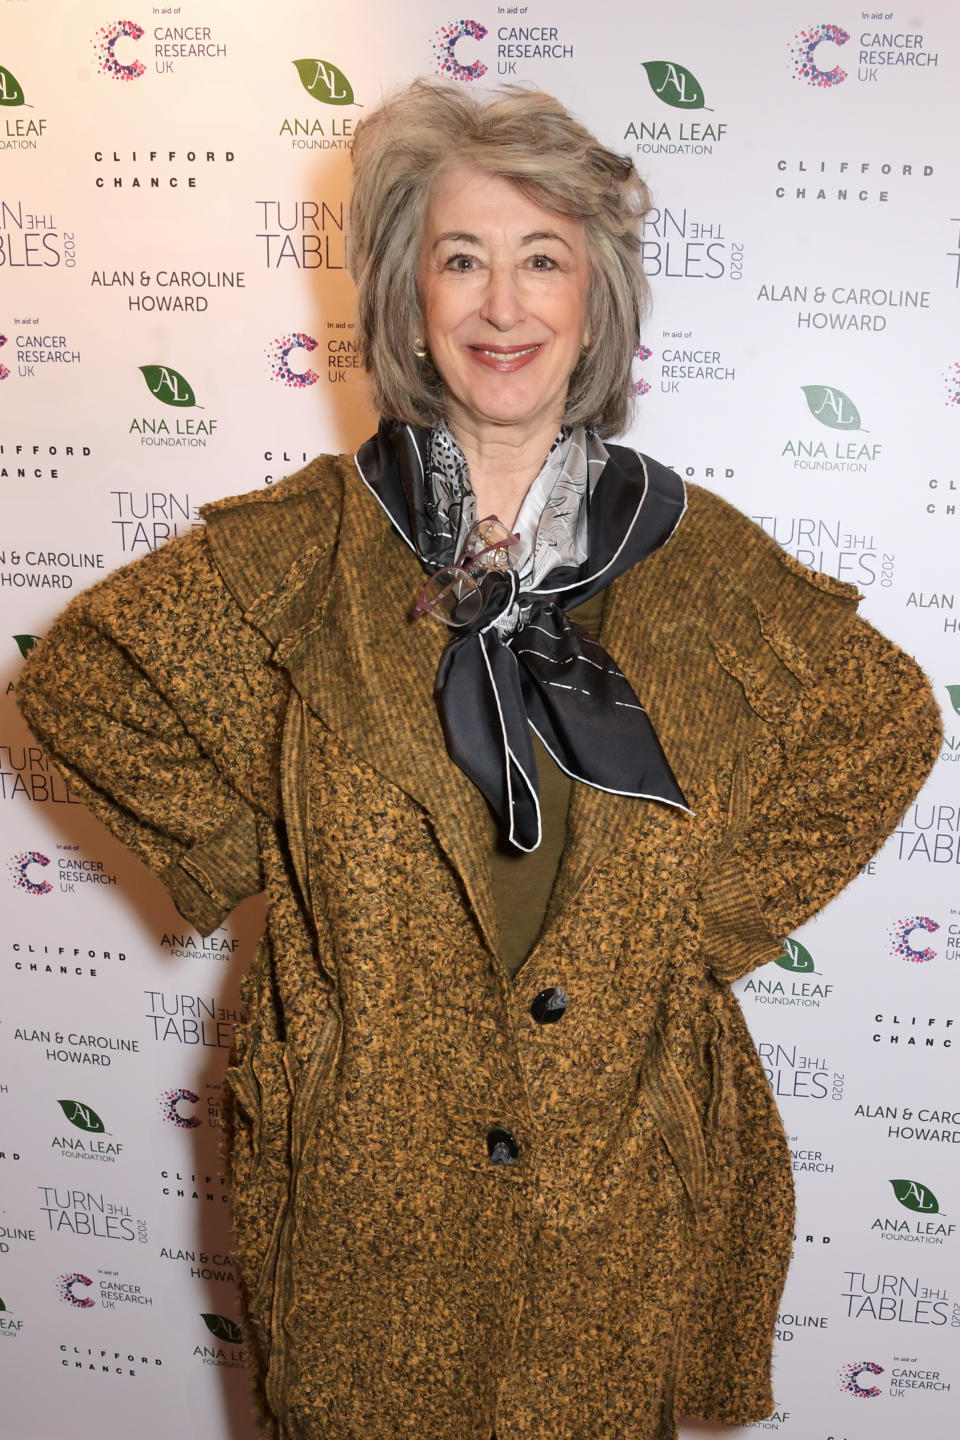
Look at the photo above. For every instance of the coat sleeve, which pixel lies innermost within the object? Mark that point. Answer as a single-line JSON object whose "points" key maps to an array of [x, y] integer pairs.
{"points": [[811, 809], [115, 694]]}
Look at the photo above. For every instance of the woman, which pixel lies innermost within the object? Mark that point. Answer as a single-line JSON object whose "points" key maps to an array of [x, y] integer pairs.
{"points": [[503, 1155]]}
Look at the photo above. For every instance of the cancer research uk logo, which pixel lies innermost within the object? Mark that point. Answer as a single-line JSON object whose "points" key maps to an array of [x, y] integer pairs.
{"points": [[951, 379], [170, 1102], [172, 389], [20, 132], [120, 60], [104, 48], [852, 1379], [65, 1289], [676, 86], [514, 42], [807, 65], [906, 1376], [19, 865], [907, 939], [879, 53], [28, 868], [279, 352], [73, 1290]]}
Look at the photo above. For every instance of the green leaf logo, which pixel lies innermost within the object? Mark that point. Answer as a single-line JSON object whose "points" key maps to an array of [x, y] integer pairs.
{"points": [[831, 407], [914, 1196], [325, 82], [954, 692], [2, 1306], [25, 643], [168, 385], [674, 84], [796, 958], [223, 1328], [82, 1116], [11, 92]]}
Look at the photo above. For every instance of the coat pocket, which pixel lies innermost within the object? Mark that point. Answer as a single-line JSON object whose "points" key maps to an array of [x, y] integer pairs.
{"points": [[258, 1139], [671, 1103]]}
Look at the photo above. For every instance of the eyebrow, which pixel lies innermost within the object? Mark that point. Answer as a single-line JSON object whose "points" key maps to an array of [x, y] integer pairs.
{"points": [[463, 237]]}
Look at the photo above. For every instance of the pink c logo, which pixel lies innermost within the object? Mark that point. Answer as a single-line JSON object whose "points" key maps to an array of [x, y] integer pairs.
{"points": [[65, 1285], [850, 1378], [4, 372], [900, 938], [107, 37], [444, 46], [169, 1101], [18, 871], [642, 352], [802, 49], [278, 352]]}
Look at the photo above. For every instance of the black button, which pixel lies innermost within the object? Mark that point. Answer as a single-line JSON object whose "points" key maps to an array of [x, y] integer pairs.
{"points": [[501, 1146], [549, 1005]]}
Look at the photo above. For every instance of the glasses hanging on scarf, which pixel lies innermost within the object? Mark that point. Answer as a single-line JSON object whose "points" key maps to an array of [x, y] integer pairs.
{"points": [[452, 594]]}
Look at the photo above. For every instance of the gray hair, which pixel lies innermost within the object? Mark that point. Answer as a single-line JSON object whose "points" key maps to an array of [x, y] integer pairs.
{"points": [[520, 135]]}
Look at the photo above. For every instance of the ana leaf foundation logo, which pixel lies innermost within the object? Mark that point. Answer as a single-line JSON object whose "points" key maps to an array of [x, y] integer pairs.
{"points": [[168, 385], [25, 643], [65, 1284], [104, 44], [169, 1101], [796, 958], [850, 1379], [674, 85], [227, 1330], [832, 407], [901, 939], [444, 44], [914, 1196], [954, 692], [325, 82], [278, 358], [803, 51], [82, 1116], [11, 91], [18, 867]]}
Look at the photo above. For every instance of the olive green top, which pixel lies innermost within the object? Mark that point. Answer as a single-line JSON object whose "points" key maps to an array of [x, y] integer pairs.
{"points": [[522, 882]]}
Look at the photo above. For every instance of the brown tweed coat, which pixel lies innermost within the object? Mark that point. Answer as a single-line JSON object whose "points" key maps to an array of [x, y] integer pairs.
{"points": [[249, 706]]}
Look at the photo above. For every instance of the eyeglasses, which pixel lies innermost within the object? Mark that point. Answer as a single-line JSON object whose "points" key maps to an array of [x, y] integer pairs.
{"points": [[453, 593]]}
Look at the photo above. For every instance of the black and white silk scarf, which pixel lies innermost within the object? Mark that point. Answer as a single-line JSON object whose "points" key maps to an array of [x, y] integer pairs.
{"points": [[544, 674]]}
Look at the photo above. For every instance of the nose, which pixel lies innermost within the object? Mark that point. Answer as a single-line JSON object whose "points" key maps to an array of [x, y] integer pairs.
{"points": [[503, 305]]}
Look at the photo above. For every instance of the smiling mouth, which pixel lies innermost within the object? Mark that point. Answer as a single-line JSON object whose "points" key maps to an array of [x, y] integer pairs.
{"points": [[505, 354]]}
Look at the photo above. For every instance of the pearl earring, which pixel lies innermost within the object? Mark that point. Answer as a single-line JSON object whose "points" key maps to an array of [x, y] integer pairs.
{"points": [[420, 348]]}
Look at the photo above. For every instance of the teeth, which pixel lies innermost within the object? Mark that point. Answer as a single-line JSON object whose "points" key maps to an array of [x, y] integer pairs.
{"points": [[509, 354]]}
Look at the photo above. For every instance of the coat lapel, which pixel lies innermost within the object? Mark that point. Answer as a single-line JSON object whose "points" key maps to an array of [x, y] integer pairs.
{"points": [[367, 671]]}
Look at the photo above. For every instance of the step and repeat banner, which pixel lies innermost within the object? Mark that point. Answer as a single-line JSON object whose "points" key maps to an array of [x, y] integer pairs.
{"points": [[176, 325]]}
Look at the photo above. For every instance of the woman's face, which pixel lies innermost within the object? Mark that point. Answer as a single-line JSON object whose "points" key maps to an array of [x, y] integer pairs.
{"points": [[503, 287]]}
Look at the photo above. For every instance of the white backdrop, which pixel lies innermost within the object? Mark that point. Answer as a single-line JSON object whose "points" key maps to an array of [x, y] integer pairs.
{"points": [[176, 326]]}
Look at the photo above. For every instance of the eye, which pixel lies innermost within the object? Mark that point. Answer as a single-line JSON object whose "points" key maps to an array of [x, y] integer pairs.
{"points": [[542, 262], [460, 263]]}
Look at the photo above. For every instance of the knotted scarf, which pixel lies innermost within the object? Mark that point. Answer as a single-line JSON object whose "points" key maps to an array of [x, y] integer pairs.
{"points": [[547, 674]]}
